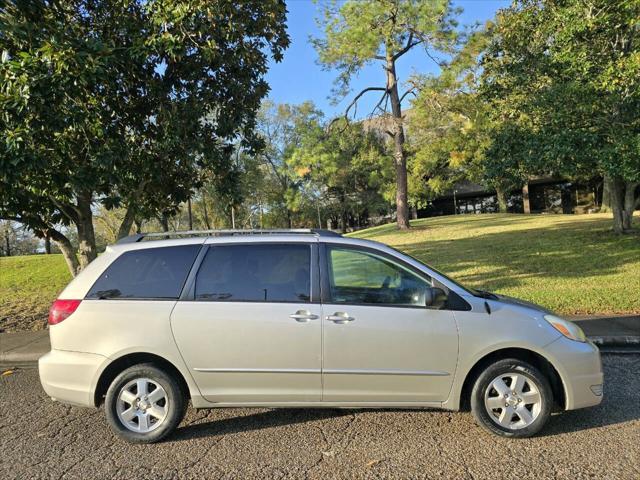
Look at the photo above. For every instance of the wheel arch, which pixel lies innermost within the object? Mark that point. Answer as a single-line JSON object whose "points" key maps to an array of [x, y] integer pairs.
{"points": [[534, 358], [119, 364]]}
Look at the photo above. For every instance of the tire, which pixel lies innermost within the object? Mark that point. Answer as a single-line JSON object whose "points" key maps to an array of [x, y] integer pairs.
{"points": [[499, 410], [140, 418]]}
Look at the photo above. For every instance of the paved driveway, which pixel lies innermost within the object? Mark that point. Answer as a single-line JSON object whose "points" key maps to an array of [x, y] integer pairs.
{"points": [[43, 439]]}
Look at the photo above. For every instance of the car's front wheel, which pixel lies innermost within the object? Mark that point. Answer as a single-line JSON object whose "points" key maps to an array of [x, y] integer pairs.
{"points": [[144, 404], [512, 398]]}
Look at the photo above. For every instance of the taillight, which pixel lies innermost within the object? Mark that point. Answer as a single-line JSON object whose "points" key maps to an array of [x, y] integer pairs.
{"points": [[61, 309]]}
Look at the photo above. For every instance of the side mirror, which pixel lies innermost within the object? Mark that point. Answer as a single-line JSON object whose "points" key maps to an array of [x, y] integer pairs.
{"points": [[435, 298]]}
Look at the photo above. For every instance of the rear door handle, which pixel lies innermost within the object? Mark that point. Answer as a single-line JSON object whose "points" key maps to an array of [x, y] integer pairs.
{"points": [[303, 316], [340, 317]]}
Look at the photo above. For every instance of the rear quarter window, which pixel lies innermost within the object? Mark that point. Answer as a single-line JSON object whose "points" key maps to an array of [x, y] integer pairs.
{"points": [[150, 273]]}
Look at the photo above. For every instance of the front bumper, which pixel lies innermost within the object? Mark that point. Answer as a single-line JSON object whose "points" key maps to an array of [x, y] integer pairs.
{"points": [[580, 369], [69, 377]]}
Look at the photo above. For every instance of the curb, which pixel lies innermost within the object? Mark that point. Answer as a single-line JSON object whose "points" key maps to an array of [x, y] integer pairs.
{"points": [[5, 365], [23, 348], [616, 341]]}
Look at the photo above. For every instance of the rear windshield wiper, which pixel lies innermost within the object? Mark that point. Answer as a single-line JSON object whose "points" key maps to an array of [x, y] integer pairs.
{"points": [[105, 294]]}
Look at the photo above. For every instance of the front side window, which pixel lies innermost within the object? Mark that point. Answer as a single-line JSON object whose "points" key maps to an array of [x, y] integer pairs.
{"points": [[255, 273], [363, 277], [150, 273]]}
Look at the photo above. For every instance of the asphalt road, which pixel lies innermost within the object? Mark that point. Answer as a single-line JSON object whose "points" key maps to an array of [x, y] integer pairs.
{"points": [[43, 439]]}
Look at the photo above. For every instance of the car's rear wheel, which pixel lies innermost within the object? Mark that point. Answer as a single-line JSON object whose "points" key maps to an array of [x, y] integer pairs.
{"points": [[144, 404], [512, 398]]}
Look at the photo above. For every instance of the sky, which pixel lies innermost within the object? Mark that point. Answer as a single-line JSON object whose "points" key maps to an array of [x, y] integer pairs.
{"points": [[299, 77]]}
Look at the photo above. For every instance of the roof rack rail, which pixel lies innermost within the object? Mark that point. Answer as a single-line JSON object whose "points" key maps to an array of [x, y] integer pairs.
{"points": [[137, 237]]}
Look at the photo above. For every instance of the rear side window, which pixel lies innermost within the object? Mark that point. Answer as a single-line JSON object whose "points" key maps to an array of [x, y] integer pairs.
{"points": [[156, 273], [255, 273]]}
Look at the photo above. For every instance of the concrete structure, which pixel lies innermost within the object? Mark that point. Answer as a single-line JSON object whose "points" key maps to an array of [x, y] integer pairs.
{"points": [[539, 195]]}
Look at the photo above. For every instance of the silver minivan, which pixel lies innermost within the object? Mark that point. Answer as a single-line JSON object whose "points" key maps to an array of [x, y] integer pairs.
{"points": [[302, 318]]}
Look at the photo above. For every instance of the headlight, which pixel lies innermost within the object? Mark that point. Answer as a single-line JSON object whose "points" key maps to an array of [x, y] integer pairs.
{"points": [[567, 328]]}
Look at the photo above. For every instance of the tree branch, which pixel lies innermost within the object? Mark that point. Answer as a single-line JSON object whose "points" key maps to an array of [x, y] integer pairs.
{"points": [[410, 44], [382, 99], [437, 61], [68, 211], [357, 97], [280, 177], [411, 90], [355, 100]]}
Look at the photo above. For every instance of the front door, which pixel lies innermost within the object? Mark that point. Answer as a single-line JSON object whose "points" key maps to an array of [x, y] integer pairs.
{"points": [[380, 342], [250, 331]]}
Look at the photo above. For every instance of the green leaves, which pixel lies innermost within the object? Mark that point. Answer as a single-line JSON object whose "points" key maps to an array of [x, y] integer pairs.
{"points": [[132, 101], [359, 32], [566, 74], [344, 165]]}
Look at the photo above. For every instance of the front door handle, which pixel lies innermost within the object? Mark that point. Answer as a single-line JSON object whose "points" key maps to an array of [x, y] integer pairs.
{"points": [[340, 317], [303, 316]]}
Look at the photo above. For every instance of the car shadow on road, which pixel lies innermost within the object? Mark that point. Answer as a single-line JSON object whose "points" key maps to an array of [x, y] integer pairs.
{"points": [[257, 421]]}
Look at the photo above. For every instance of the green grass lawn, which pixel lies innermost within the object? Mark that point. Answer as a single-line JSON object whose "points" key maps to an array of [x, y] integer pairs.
{"points": [[28, 286], [572, 264]]}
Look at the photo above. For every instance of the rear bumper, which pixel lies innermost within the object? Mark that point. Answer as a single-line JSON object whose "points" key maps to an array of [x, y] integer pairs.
{"points": [[69, 376], [580, 369]]}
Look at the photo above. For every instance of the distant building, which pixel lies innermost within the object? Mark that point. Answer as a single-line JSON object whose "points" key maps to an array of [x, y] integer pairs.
{"points": [[539, 195]]}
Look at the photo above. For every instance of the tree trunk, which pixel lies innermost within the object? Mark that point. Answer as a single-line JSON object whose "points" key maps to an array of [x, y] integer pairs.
{"points": [[164, 222], [344, 222], [7, 243], [47, 244], [289, 219], [204, 211], [400, 160], [190, 213], [261, 214], [502, 200], [127, 223], [631, 200], [86, 235], [605, 207], [68, 252], [624, 200]]}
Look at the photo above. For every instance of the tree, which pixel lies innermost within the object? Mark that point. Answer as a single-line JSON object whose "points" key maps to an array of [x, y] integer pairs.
{"points": [[14, 240], [454, 133], [564, 77], [345, 169], [361, 32], [281, 128], [124, 103]]}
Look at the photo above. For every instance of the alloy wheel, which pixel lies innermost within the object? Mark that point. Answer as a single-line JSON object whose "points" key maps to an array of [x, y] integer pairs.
{"points": [[513, 401], [142, 405]]}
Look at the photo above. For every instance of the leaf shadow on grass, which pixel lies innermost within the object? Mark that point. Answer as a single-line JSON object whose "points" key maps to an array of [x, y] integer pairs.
{"points": [[508, 259], [483, 221]]}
